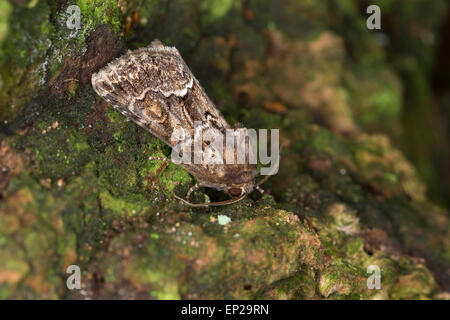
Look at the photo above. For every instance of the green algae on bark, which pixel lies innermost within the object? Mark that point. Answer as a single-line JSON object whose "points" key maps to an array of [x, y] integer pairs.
{"points": [[85, 193]]}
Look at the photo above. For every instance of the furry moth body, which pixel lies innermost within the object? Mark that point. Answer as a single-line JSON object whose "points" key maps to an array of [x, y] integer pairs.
{"points": [[154, 87]]}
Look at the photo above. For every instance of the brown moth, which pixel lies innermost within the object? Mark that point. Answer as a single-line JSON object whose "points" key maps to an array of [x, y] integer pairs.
{"points": [[154, 87]]}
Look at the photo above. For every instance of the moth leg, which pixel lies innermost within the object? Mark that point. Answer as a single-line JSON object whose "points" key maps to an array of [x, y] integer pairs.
{"points": [[161, 168], [191, 190], [158, 172], [150, 179], [211, 204], [259, 189]]}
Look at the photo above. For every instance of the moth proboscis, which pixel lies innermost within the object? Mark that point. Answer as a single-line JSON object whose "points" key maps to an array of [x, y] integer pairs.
{"points": [[154, 87]]}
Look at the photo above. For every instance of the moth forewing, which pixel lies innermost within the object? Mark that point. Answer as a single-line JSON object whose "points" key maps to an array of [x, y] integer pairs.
{"points": [[154, 88]]}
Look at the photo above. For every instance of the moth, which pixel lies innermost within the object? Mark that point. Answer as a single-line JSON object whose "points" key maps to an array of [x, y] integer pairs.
{"points": [[154, 87]]}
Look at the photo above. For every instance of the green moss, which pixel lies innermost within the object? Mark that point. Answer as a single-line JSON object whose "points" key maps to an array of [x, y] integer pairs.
{"points": [[6, 9], [132, 207], [22, 57], [418, 283], [33, 53], [63, 159], [301, 286], [97, 12], [338, 280], [45, 246], [87, 193]]}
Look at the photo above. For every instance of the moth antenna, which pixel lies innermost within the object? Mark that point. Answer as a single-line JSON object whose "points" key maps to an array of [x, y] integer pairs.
{"points": [[210, 204], [284, 144], [260, 182]]}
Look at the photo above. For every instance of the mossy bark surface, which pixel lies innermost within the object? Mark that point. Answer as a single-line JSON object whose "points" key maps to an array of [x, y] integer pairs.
{"points": [[77, 187]]}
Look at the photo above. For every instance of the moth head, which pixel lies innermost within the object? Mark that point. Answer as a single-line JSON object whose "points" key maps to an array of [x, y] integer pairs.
{"points": [[239, 187], [241, 184], [235, 192]]}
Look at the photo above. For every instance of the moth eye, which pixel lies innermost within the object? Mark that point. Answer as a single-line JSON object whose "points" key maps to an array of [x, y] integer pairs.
{"points": [[234, 192]]}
